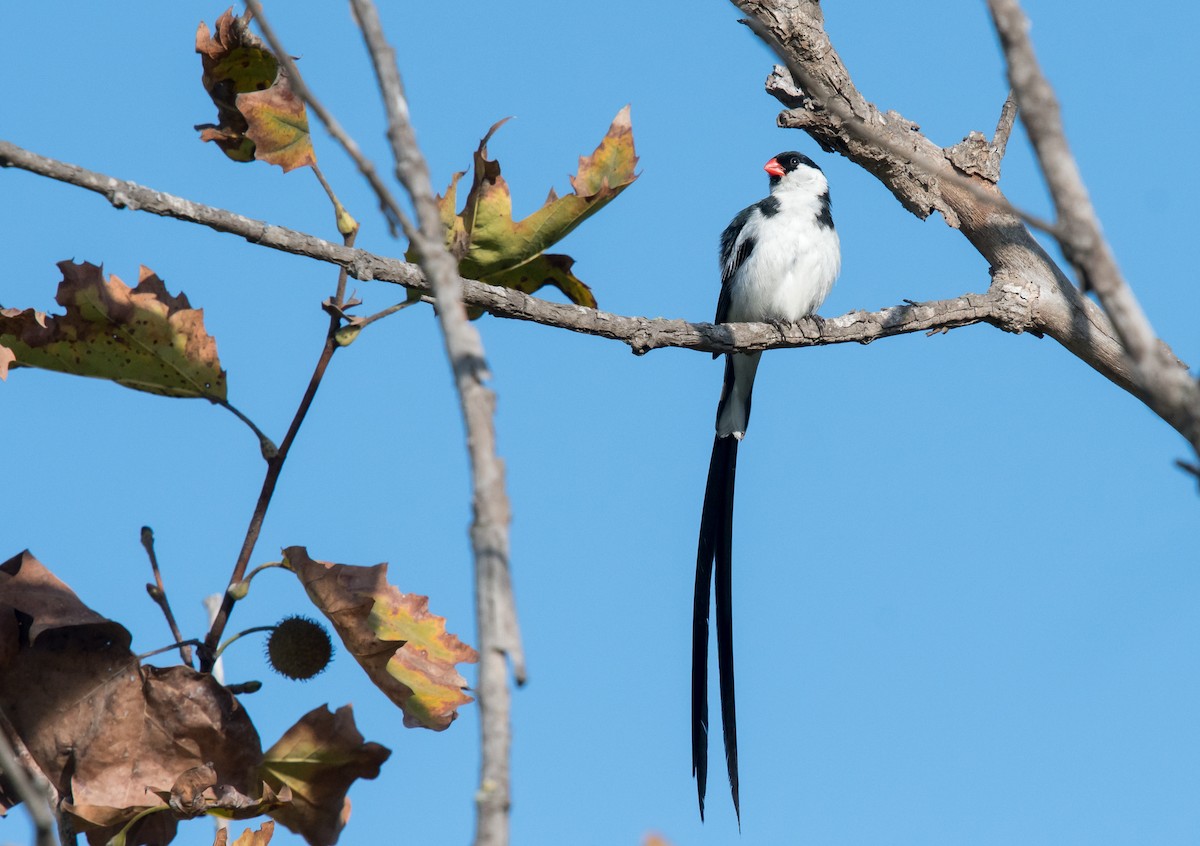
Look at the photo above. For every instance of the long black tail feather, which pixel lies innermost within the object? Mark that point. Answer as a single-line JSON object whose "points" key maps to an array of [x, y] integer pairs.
{"points": [[715, 545]]}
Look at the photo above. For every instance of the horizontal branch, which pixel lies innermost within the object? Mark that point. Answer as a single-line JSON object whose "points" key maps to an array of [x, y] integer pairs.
{"points": [[1009, 307]]}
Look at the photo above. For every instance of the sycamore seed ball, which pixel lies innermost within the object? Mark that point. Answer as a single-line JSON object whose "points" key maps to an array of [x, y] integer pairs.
{"points": [[299, 648]]}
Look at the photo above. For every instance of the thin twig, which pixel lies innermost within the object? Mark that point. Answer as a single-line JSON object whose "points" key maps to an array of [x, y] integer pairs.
{"points": [[212, 607], [209, 652], [494, 604], [180, 644], [271, 479], [387, 203], [364, 322], [159, 595]]}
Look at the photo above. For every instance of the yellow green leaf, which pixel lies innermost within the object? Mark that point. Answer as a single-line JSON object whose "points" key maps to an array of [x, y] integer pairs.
{"points": [[493, 248], [143, 338], [405, 650], [498, 243]]}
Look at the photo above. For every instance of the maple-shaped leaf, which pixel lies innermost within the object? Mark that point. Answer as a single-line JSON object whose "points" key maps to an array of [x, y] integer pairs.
{"points": [[493, 248], [259, 115], [318, 759], [143, 338], [405, 650]]}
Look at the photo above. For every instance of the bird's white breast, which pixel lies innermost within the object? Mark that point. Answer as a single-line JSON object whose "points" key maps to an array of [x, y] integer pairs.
{"points": [[792, 267]]}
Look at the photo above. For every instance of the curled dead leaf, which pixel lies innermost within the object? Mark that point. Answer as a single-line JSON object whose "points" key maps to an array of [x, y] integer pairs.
{"points": [[259, 115], [197, 791]]}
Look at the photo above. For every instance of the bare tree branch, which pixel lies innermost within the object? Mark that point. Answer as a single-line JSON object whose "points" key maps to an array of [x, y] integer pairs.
{"points": [[1172, 392], [927, 178], [495, 606], [1027, 294], [1009, 309]]}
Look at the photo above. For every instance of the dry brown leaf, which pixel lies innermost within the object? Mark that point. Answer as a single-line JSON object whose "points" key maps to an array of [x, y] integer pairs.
{"points": [[130, 727], [318, 759], [47, 604], [405, 650]]}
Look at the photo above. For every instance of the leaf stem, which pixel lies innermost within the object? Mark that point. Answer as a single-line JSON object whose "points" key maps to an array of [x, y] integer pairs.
{"points": [[265, 444], [242, 634]]}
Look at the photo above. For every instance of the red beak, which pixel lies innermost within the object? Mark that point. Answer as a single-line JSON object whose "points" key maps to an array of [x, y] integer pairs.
{"points": [[774, 168]]}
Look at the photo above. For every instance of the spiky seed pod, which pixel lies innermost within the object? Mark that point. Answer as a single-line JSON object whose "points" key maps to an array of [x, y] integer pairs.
{"points": [[299, 648]]}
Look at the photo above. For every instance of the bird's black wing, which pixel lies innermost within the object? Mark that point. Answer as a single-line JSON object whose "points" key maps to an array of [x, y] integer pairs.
{"points": [[735, 249]]}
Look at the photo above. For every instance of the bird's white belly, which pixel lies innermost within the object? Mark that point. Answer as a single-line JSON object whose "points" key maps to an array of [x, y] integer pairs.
{"points": [[787, 282]]}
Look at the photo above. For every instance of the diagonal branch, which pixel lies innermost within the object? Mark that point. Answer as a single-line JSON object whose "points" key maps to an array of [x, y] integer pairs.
{"points": [[1173, 393], [926, 178]]}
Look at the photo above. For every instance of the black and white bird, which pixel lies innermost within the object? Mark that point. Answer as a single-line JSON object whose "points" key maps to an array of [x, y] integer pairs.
{"points": [[779, 258]]}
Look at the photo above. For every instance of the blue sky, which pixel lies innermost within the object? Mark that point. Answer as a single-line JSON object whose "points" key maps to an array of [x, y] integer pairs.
{"points": [[965, 577]]}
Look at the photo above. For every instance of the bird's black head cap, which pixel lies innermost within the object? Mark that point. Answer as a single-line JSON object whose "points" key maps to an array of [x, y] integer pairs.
{"points": [[788, 162]]}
